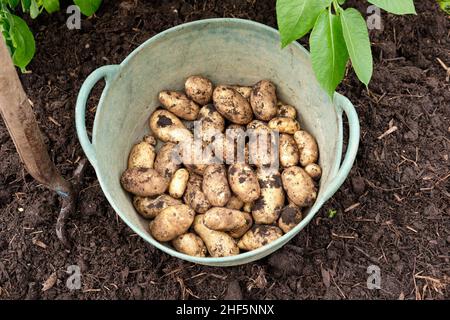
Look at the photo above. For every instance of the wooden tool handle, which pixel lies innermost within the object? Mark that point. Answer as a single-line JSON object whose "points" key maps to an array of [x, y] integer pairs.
{"points": [[20, 120]]}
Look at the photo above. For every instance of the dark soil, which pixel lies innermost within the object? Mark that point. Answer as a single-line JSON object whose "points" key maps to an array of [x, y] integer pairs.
{"points": [[393, 211]]}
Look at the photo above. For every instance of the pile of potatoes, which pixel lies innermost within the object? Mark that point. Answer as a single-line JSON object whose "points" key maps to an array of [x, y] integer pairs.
{"points": [[221, 209]]}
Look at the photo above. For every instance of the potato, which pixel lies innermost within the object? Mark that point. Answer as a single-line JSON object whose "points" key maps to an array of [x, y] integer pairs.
{"points": [[263, 100], [263, 147], [178, 184], [239, 232], [179, 104], [150, 207], [286, 111], [307, 147], [223, 219], [194, 197], [168, 160], [284, 125], [215, 185], [235, 203], [234, 147], [288, 151], [144, 182], [232, 105], [218, 243], [299, 186], [243, 90], [259, 236], [248, 206], [167, 127], [142, 155], [190, 244], [244, 182], [290, 216], [150, 139], [314, 171], [198, 169], [199, 89], [266, 208], [172, 222], [211, 123]]}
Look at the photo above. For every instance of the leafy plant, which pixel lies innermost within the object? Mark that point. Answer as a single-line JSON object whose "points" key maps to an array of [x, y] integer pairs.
{"points": [[445, 5], [17, 34], [337, 35]]}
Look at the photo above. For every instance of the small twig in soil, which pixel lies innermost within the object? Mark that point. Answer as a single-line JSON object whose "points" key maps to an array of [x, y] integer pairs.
{"points": [[447, 69], [352, 207]]}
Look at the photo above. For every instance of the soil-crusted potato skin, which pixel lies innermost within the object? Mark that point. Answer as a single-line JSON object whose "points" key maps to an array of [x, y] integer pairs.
{"points": [[290, 216], [288, 151], [307, 147], [194, 196], [199, 89], [223, 219], [299, 186], [232, 105], [172, 222], [142, 155], [179, 104], [215, 185], [218, 243], [168, 160], [178, 184], [258, 236], [167, 127], [284, 125], [263, 100], [190, 244], [144, 182], [266, 209], [244, 182], [149, 207]]}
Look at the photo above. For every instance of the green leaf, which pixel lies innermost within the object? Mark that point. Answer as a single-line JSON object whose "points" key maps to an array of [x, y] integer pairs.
{"points": [[13, 3], [22, 40], [88, 7], [296, 17], [396, 6], [445, 5], [51, 5], [26, 5], [356, 38], [328, 51], [34, 9]]}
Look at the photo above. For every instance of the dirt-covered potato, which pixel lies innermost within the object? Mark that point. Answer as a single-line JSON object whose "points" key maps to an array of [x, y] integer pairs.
{"points": [[172, 222], [248, 206], [179, 104], [190, 244], [142, 155], [194, 196], [243, 182], [314, 171], [288, 151], [218, 243], [267, 208], [263, 100], [215, 185], [243, 90], [150, 207], [235, 203], [299, 186], [307, 147], [144, 182], [263, 147], [234, 147], [290, 216], [284, 125], [167, 127], [232, 105], [199, 89], [168, 160], [196, 168], [258, 236], [212, 123], [239, 232], [223, 219], [286, 111], [178, 184]]}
